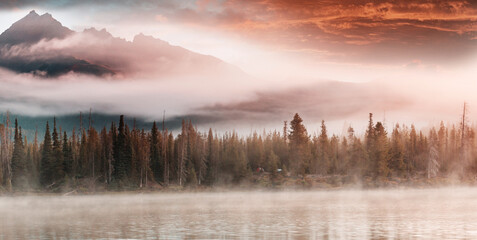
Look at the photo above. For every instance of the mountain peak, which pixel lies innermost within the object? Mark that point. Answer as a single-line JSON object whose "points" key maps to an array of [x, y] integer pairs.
{"points": [[33, 28], [33, 13]]}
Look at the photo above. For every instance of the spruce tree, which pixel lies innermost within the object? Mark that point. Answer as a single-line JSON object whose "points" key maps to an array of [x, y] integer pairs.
{"points": [[123, 152], [211, 174], [57, 165], [82, 167], [324, 150], [370, 139], [67, 156], [170, 154], [397, 162], [46, 159], [299, 154], [333, 154], [412, 151], [381, 153], [155, 154], [19, 165]]}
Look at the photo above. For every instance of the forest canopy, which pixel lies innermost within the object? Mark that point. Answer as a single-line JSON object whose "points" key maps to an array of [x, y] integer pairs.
{"points": [[123, 157]]}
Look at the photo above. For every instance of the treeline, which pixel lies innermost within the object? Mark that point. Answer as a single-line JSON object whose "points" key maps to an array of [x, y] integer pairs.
{"points": [[121, 157]]}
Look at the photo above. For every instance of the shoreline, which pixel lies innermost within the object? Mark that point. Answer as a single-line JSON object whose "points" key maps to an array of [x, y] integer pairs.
{"points": [[301, 184]]}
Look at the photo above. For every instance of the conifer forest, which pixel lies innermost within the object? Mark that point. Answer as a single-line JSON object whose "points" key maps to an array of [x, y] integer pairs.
{"points": [[122, 157]]}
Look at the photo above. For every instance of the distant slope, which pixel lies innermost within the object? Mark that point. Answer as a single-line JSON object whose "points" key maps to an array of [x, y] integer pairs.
{"points": [[40, 45]]}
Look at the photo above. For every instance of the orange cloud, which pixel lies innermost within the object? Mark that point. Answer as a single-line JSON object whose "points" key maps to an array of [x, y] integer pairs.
{"points": [[416, 26]]}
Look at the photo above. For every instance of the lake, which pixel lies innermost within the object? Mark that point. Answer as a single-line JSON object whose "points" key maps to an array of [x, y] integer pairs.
{"points": [[448, 213]]}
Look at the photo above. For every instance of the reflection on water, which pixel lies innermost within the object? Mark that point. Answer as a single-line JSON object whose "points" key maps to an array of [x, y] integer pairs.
{"points": [[374, 214]]}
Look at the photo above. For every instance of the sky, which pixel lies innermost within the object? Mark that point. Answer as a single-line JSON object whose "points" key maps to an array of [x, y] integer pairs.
{"points": [[407, 61]]}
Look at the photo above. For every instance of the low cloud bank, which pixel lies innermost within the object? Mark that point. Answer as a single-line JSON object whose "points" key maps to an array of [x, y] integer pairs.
{"points": [[221, 105]]}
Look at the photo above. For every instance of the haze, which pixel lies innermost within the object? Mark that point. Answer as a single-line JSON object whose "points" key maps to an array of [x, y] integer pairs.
{"points": [[409, 62], [347, 214]]}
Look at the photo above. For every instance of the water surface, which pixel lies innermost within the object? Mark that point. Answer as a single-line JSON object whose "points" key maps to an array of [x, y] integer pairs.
{"points": [[449, 213]]}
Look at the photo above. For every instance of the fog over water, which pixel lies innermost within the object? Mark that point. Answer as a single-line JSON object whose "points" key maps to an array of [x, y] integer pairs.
{"points": [[449, 213]]}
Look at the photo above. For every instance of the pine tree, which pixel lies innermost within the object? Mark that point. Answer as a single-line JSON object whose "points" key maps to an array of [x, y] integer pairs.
{"points": [[397, 162], [299, 152], [333, 155], [370, 139], [123, 153], [212, 165], [74, 153], [411, 150], [155, 154], [67, 156], [46, 159], [381, 152], [57, 165], [323, 151], [170, 155], [183, 154], [82, 166], [93, 154], [36, 157], [19, 164]]}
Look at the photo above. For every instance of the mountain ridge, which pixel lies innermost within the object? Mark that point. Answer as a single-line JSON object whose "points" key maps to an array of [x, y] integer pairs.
{"points": [[39, 44]]}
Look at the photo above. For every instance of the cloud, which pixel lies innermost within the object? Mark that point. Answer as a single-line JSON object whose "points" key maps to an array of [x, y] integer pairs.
{"points": [[225, 106], [328, 100], [356, 31], [31, 95], [377, 32], [418, 102]]}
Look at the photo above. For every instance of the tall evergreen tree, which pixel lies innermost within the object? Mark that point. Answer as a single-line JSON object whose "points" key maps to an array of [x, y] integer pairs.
{"points": [[155, 154], [397, 161], [212, 165], [324, 163], [381, 152], [122, 153], [411, 150], [57, 165], [19, 164], [46, 159], [67, 156], [299, 152], [370, 139]]}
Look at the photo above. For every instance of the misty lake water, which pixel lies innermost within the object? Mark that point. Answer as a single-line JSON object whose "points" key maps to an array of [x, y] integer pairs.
{"points": [[449, 213]]}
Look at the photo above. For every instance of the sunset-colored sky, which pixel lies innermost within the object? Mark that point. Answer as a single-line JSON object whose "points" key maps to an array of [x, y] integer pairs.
{"points": [[421, 52]]}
